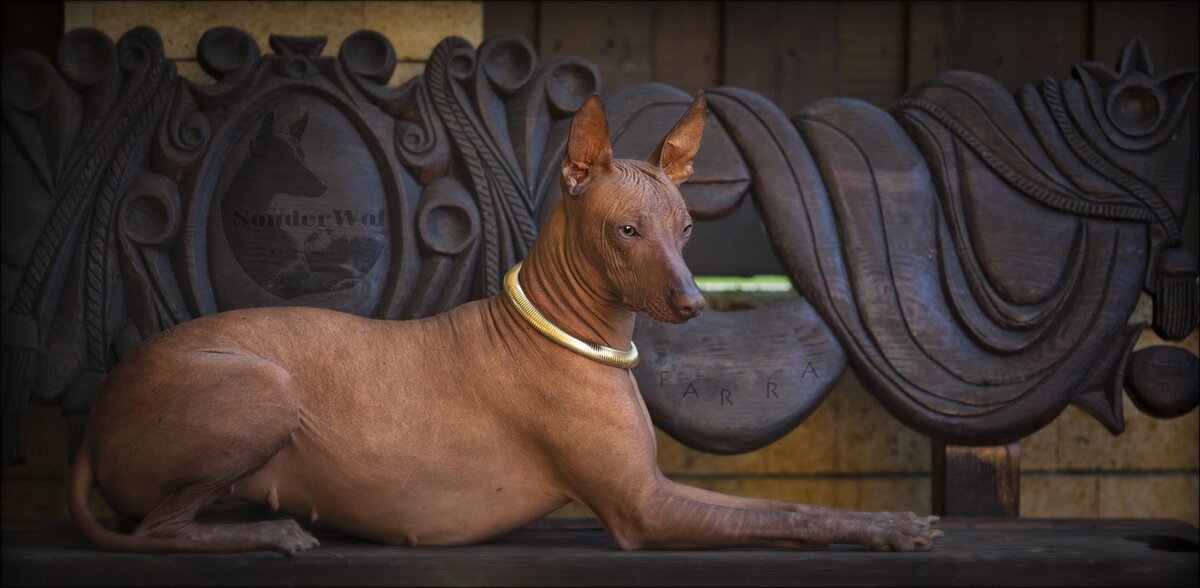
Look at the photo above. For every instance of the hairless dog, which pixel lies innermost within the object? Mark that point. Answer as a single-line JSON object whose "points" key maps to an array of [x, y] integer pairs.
{"points": [[452, 429]]}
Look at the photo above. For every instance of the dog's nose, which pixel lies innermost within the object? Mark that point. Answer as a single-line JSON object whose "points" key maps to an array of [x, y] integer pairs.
{"points": [[689, 303]]}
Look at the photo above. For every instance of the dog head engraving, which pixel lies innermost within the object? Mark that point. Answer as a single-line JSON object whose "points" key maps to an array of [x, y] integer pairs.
{"points": [[282, 154], [633, 213]]}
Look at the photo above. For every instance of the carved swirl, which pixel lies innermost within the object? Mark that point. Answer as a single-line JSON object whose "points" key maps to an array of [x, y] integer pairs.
{"points": [[182, 138], [189, 132], [421, 143], [413, 139]]}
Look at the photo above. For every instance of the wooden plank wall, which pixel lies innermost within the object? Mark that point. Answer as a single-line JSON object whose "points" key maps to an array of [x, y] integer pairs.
{"points": [[794, 53]]}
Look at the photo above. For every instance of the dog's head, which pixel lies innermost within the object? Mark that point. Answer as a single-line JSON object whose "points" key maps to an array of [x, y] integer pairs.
{"points": [[626, 221]]}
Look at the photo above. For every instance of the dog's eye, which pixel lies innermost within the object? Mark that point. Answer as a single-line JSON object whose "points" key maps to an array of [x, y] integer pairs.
{"points": [[628, 231]]}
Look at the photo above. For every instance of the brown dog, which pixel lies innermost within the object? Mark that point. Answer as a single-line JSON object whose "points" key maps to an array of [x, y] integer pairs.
{"points": [[447, 430]]}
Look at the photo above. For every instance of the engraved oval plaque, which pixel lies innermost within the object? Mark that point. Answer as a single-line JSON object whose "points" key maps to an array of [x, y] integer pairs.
{"points": [[732, 382], [299, 215]]}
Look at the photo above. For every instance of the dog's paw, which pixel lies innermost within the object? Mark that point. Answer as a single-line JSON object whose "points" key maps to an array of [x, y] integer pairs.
{"points": [[904, 531], [289, 537]]}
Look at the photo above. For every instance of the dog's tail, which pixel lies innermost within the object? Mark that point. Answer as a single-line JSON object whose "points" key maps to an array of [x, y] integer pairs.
{"points": [[80, 484]]}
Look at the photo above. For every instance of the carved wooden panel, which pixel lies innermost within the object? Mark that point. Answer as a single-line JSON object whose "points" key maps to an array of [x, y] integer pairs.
{"points": [[974, 255], [135, 199]]}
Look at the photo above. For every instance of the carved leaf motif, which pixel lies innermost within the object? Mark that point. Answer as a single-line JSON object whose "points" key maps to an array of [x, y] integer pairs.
{"points": [[493, 105], [68, 303]]}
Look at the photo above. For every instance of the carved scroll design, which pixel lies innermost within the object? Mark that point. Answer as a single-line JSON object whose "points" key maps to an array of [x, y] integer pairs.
{"points": [[79, 131], [507, 120], [131, 185]]}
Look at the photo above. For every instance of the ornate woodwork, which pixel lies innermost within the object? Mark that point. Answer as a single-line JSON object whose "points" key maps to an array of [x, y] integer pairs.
{"points": [[974, 255]]}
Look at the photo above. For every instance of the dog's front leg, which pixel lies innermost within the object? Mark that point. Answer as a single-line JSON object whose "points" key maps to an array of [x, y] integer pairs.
{"points": [[660, 518], [703, 495], [604, 455]]}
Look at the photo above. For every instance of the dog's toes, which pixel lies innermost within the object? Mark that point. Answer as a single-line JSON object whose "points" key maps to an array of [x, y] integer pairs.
{"points": [[290, 537]]}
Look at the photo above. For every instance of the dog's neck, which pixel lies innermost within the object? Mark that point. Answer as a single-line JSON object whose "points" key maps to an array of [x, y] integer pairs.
{"points": [[565, 293]]}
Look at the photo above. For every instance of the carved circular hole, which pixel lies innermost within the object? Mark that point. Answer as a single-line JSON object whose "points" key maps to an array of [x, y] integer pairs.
{"points": [[296, 67], [146, 219], [192, 136], [460, 65], [509, 64], [369, 54], [86, 56], [569, 84], [133, 57], [412, 141], [226, 49], [447, 229], [1136, 109]]}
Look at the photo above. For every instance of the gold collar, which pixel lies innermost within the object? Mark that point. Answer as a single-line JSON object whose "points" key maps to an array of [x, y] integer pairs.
{"points": [[606, 355]]}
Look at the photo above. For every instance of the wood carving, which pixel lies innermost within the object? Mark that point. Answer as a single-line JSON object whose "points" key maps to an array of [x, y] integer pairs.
{"points": [[138, 200], [974, 255], [978, 254]]}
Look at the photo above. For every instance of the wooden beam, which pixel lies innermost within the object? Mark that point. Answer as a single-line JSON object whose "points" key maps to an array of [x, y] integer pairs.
{"points": [[976, 481]]}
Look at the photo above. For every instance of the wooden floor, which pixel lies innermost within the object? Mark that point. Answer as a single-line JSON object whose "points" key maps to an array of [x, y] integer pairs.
{"points": [[974, 552]]}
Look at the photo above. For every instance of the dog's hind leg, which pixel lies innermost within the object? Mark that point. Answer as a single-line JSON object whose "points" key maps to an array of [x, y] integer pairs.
{"points": [[176, 518], [169, 444]]}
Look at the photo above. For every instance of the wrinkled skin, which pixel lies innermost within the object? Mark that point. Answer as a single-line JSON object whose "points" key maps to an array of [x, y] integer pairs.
{"points": [[448, 430]]}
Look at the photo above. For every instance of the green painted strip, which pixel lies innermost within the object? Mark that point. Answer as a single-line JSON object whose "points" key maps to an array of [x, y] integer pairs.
{"points": [[764, 283]]}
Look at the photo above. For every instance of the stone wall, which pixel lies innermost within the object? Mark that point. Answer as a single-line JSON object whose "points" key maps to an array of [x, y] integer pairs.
{"points": [[414, 28]]}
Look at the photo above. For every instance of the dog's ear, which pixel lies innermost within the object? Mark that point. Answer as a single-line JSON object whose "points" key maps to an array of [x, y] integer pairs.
{"points": [[266, 131], [587, 146], [297, 129], [679, 147]]}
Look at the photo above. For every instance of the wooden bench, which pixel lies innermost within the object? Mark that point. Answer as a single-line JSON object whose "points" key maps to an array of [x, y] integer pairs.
{"points": [[576, 552], [972, 255]]}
